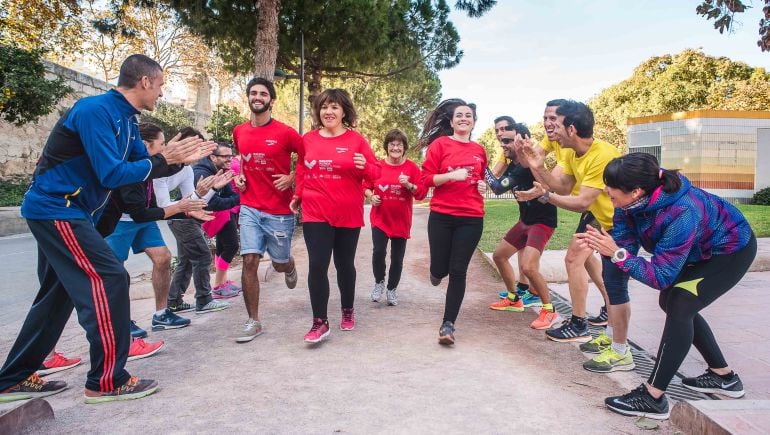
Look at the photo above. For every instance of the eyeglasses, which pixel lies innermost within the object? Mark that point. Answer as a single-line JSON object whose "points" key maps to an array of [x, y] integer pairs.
{"points": [[507, 141]]}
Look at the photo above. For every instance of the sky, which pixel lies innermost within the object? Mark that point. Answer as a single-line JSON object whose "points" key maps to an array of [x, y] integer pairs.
{"points": [[523, 53]]}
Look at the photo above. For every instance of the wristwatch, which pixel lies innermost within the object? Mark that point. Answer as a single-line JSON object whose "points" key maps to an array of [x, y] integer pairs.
{"points": [[619, 256], [544, 197]]}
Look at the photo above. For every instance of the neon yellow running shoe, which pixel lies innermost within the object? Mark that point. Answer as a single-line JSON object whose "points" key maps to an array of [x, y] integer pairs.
{"points": [[597, 345], [610, 361]]}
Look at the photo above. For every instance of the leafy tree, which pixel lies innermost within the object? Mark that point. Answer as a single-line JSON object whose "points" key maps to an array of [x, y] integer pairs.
{"points": [[25, 93], [689, 80], [51, 25], [169, 118], [723, 13], [223, 121]]}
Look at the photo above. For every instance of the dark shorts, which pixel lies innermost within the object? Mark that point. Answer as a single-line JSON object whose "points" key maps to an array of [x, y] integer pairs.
{"points": [[615, 281], [522, 235], [586, 219]]}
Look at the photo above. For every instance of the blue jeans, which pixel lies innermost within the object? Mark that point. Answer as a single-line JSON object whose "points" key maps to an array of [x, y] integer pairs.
{"points": [[264, 232], [616, 282]]}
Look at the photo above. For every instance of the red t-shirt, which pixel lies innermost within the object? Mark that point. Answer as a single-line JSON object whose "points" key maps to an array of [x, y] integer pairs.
{"points": [[457, 198], [266, 151], [327, 179], [394, 215]]}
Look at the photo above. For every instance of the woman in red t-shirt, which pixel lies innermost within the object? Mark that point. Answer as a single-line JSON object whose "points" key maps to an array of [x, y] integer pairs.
{"points": [[333, 162], [454, 166], [392, 196]]}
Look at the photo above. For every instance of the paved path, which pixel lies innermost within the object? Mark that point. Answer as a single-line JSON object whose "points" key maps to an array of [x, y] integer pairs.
{"points": [[388, 375]]}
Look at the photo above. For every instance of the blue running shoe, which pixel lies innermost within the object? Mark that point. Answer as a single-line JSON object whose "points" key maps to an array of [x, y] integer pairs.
{"points": [[168, 320], [503, 294], [531, 300], [136, 331], [521, 291]]}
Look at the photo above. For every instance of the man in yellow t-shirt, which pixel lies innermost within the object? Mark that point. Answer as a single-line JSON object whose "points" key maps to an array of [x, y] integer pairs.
{"points": [[579, 186]]}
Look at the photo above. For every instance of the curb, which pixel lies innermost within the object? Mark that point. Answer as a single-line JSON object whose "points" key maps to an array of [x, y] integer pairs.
{"points": [[19, 416], [11, 222], [717, 417]]}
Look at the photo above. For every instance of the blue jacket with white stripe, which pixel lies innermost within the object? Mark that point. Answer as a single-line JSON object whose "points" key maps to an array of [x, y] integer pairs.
{"points": [[95, 147]]}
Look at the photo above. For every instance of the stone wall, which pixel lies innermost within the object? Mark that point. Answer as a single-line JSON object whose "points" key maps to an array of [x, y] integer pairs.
{"points": [[20, 147]]}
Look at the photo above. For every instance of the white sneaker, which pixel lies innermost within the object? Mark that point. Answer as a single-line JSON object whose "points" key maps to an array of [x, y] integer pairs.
{"points": [[377, 291], [250, 330], [392, 296]]}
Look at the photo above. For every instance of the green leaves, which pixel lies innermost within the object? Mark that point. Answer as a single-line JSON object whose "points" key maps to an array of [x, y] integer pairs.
{"points": [[25, 93]]}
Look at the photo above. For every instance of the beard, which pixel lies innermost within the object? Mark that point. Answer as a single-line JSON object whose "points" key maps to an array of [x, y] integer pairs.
{"points": [[259, 110]]}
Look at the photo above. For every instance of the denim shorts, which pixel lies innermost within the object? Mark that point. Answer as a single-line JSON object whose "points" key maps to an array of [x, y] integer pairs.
{"points": [[134, 235], [615, 281], [263, 232]]}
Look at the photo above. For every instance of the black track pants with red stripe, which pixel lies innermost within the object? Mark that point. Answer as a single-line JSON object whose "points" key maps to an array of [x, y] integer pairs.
{"points": [[76, 269]]}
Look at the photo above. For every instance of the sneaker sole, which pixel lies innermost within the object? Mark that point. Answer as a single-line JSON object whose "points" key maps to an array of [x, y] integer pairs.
{"points": [[45, 372], [446, 340], [146, 355], [165, 327], [291, 284], [323, 337], [602, 323], [347, 329], [212, 310], [592, 351], [247, 338], [639, 414], [392, 303], [184, 311], [534, 305], [12, 397], [511, 309], [719, 391], [585, 339], [132, 396], [623, 368], [375, 299], [225, 297]]}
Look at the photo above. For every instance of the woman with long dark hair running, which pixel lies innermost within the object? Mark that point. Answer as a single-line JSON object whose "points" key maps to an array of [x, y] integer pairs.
{"points": [[454, 167], [701, 247], [334, 160], [392, 196]]}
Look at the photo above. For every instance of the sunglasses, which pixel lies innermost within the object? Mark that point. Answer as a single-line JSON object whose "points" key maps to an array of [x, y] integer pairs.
{"points": [[226, 156], [507, 141]]}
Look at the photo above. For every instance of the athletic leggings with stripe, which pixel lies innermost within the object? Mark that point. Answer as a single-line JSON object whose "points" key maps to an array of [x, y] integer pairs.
{"points": [[77, 269], [697, 287], [323, 242]]}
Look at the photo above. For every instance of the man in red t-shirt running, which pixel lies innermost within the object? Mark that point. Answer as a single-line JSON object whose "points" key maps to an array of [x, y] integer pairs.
{"points": [[267, 223]]}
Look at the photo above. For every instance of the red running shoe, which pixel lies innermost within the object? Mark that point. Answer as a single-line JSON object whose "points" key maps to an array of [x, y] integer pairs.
{"points": [[58, 363], [142, 349], [318, 332], [348, 322]]}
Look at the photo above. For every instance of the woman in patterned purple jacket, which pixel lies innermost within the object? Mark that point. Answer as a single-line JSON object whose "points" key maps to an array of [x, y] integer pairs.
{"points": [[701, 247]]}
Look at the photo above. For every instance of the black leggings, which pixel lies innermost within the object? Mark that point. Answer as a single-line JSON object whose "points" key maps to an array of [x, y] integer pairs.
{"points": [[397, 250], [323, 240], [697, 287], [452, 241], [227, 240]]}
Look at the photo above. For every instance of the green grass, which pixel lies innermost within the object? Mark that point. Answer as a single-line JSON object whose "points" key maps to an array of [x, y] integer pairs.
{"points": [[501, 215]]}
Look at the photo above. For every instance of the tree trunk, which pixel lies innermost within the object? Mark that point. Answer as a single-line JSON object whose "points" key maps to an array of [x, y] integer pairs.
{"points": [[314, 87], [266, 43]]}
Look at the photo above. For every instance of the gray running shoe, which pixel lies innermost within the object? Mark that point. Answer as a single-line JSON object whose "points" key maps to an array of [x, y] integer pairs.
{"points": [[377, 291], [392, 296], [291, 278], [211, 307], [252, 329], [711, 382], [446, 334]]}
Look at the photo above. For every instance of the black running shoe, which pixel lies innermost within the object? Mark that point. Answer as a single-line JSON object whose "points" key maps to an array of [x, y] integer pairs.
{"points": [[569, 331], [434, 281], [446, 334], [639, 403], [711, 382], [601, 319]]}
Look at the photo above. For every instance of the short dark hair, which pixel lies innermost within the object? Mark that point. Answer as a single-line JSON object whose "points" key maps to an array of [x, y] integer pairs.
{"points": [[577, 114], [134, 68], [505, 118], [149, 132], [556, 103], [261, 81], [398, 135], [190, 132], [339, 96], [521, 129], [640, 170]]}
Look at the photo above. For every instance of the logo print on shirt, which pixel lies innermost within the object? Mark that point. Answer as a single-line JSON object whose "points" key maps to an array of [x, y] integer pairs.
{"points": [[247, 157], [270, 142], [478, 159], [341, 150], [382, 187], [310, 164]]}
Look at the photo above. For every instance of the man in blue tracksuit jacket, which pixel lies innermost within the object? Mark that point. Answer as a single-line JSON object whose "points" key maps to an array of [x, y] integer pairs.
{"points": [[94, 148]]}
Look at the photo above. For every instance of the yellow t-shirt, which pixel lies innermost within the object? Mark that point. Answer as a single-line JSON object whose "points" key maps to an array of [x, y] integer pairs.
{"points": [[588, 171], [559, 153]]}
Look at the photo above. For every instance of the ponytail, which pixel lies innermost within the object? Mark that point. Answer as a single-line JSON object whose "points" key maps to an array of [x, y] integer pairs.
{"points": [[669, 179]]}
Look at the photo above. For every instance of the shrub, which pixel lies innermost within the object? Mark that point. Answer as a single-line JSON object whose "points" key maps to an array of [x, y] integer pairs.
{"points": [[169, 118], [762, 197], [25, 93], [12, 192]]}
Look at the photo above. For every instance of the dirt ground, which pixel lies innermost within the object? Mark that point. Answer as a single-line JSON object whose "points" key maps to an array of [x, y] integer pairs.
{"points": [[389, 375]]}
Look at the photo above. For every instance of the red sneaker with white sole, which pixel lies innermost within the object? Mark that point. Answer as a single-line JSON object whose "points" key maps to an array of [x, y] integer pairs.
{"points": [[142, 349]]}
